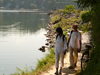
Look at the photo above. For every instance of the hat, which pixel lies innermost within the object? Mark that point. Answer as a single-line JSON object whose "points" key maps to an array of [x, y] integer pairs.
{"points": [[75, 25]]}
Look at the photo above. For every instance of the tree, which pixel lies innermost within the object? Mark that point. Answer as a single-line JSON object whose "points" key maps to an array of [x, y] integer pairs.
{"points": [[93, 67], [86, 3]]}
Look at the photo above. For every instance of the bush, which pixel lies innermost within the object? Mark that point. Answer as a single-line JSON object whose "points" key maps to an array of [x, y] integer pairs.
{"points": [[86, 16]]}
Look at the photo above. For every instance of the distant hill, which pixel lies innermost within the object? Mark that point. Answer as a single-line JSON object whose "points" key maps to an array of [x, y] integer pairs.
{"points": [[34, 4]]}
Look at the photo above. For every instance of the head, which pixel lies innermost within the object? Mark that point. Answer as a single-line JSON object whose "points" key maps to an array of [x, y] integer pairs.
{"points": [[75, 27], [59, 30]]}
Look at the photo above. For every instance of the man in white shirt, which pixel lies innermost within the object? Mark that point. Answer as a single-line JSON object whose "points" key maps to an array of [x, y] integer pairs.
{"points": [[74, 43]]}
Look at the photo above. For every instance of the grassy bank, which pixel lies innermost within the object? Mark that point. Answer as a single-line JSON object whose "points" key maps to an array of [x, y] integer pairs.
{"points": [[43, 65], [69, 16]]}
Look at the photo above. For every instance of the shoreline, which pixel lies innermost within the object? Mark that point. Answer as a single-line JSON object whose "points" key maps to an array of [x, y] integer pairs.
{"points": [[48, 61], [51, 38]]}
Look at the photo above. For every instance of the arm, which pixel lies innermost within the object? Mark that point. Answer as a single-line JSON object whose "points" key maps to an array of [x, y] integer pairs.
{"points": [[68, 41], [65, 45], [80, 42]]}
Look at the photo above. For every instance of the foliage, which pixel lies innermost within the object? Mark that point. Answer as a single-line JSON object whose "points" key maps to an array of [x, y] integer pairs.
{"points": [[55, 18], [86, 16], [69, 16], [86, 3], [69, 8], [47, 60], [93, 67], [85, 27]]}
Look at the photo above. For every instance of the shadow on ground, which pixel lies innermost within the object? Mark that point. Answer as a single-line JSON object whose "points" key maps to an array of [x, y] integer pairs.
{"points": [[67, 71]]}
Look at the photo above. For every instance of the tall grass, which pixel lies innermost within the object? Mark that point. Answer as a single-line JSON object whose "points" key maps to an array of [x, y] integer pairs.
{"points": [[45, 63]]}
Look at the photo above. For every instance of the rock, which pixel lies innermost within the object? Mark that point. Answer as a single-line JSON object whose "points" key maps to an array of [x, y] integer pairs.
{"points": [[48, 39], [51, 42], [47, 44], [42, 49]]}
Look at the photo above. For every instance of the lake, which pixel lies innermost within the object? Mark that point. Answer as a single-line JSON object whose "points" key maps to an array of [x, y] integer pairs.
{"points": [[21, 35], [22, 32]]}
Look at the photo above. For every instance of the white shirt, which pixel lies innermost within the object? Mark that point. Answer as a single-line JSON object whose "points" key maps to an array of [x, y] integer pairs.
{"points": [[74, 40], [60, 44]]}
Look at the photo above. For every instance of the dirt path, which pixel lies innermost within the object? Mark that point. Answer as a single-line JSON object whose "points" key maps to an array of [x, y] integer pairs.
{"points": [[65, 70]]}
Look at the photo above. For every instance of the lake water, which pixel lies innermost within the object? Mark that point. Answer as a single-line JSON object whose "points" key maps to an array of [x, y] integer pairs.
{"points": [[21, 35]]}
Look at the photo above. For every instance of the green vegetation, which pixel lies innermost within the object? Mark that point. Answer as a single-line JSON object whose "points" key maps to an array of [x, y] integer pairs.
{"points": [[43, 65], [64, 18], [93, 67], [69, 16], [86, 17], [87, 3]]}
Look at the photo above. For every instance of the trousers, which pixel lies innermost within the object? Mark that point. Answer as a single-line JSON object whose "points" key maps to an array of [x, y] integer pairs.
{"points": [[59, 56], [73, 56]]}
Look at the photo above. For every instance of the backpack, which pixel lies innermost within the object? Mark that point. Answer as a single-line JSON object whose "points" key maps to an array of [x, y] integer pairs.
{"points": [[62, 37], [71, 32]]}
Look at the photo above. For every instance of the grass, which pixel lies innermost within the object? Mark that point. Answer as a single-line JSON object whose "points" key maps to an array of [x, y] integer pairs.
{"points": [[43, 65]]}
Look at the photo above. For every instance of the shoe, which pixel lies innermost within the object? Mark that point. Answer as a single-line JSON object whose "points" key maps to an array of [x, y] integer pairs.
{"points": [[56, 73], [71, 67]]}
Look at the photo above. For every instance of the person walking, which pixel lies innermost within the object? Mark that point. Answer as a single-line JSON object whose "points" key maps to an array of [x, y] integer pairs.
{"points": [[60, 49], [74, 44]]}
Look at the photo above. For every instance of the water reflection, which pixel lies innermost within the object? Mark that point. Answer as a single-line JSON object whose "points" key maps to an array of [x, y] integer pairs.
{"points": [[21, 35], [22, 22], [18, 50]]}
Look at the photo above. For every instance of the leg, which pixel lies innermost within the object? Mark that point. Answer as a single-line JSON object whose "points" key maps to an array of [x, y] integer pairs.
{"points": [[75, 57], [62, 59], [62, 62], [57, 62], [56, 71], [71, 58]]}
